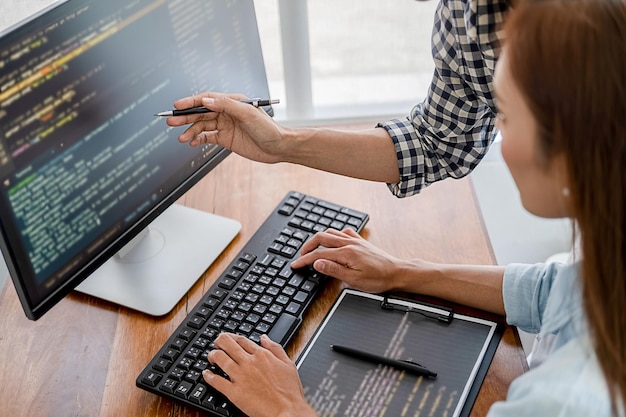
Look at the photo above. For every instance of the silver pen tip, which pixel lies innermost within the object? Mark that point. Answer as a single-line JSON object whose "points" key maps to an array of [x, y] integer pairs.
{"points": [[163, 113]]}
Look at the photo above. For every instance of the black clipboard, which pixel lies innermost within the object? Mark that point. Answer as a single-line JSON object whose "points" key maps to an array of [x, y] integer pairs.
{"points": [[459, 348]]}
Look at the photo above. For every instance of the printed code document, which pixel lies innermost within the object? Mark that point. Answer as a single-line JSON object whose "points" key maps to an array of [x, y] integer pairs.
{"points": [[459, 352]]}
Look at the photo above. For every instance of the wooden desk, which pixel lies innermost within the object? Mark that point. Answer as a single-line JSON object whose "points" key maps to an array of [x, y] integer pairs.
{"points": [[82, 358]]}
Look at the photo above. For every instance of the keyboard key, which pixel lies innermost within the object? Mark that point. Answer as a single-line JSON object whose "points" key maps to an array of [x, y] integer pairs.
{"points": [[248, 257], [151, 379], [216, 323], [227, 283], [329, 206], [187, 334], [196, 322], [178, 344], [353, 213], [283, 328], [225, 408], [185, 363], [230, 326], [211, 303], [262, 327], [198, 393], [162, 365], [296, 280], [286, 210], [301, 296], [295, 222], [302, 236], [169, 354], [183, 389], [275, 248], [267, 260], [288, 251], [276, 309], [293, 308], [193, 376], [201, 365], [210, 402], [193, 352], [282, 299], [308, 286], [204, 311], [337, 225], [219, 294], [241, 265], [245, 328], [177, 374], [169, 385]]}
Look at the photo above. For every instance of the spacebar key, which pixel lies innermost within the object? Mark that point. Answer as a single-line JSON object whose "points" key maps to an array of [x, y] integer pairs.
{"points": [[283, 328]]}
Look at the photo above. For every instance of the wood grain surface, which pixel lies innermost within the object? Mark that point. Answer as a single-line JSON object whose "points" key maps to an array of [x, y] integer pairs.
{"points": [[82, 357]]}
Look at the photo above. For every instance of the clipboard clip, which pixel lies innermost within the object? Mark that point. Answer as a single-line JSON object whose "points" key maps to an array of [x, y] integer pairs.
{"points": [[442, 318]]}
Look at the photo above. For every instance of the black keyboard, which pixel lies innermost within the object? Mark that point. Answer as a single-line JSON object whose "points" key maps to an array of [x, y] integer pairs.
{"points": [[258, 293]]}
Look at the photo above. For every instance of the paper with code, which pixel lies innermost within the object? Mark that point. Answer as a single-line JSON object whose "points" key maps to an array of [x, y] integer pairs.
{"points": [[339, 385]]}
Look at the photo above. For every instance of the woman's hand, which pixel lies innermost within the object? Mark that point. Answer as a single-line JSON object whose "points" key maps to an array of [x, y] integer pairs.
{"points": [[263, 381], [240, 127], [350, 258]]}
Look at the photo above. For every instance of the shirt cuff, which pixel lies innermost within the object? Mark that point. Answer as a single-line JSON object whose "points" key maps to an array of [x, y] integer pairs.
{"points": [[517, 289], [410, 157]]}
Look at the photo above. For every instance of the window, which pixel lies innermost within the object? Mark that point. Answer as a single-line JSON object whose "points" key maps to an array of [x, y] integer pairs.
{"points": [[365, 57]]}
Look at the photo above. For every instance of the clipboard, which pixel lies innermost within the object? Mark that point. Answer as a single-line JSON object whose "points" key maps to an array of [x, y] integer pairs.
{"points": [[459, 348]]}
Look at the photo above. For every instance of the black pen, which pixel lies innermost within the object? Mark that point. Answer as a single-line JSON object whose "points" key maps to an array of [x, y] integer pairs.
{"points": [[403, 365], [256, 102]]}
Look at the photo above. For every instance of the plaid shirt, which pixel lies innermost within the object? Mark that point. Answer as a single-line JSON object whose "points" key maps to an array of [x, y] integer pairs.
{"points": [[450, 131]]}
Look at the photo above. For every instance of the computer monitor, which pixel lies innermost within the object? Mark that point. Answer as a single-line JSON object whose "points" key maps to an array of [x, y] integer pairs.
{"points": [[86, 170]]}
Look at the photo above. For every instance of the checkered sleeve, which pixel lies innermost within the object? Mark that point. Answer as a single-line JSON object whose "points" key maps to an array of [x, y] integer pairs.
{"points": [[450, 131]]}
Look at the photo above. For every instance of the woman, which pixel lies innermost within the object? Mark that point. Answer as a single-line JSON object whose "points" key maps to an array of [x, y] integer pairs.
{"points": [[561, 94]]}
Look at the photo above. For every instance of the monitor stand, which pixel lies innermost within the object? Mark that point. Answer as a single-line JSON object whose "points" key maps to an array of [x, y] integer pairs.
{"points": [[157, 268]]}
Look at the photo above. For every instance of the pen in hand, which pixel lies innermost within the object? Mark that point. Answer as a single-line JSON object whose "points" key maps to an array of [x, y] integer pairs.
{"points": [[256, 102], [403, 365]]}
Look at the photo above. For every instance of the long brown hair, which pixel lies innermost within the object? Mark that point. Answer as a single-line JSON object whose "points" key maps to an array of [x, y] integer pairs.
{"points": [[568, 57]]}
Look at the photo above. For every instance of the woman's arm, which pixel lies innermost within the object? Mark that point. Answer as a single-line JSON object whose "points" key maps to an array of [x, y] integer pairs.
{"points": [[352, 259]]}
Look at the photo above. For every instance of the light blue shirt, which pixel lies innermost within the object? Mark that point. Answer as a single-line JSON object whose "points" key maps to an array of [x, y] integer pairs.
{"points": [[546, 299]]}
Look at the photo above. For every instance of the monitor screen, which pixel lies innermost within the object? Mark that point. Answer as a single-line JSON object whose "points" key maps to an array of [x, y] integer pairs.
{"points": [[84, 165]]}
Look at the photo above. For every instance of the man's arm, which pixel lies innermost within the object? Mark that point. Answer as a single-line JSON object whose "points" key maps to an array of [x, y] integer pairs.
{"points": [[366, 154], [250, 132], [444, 136]]}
